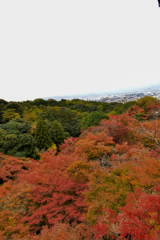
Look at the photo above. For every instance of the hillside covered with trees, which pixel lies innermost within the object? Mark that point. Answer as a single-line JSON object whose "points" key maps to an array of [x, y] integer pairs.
{"points": [[18, 121], [80, 170]]}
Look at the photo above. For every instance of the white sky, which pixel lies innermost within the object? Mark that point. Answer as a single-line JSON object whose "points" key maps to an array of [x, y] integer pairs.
{"points": [[62, 47]]}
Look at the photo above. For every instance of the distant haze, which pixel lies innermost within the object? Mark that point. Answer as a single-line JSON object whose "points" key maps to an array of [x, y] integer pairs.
{"points": [[62, 48], [152, 88]]}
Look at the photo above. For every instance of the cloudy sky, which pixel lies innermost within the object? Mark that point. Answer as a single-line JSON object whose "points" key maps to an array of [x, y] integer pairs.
{"points": [[59, 47]]}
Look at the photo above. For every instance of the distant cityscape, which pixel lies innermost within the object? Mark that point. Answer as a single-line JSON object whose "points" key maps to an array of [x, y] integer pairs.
{"points": [[114, 97], [126, 97]]}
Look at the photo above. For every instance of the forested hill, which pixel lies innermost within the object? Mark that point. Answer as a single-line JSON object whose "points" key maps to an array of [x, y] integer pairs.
{"points": [[18, 121], [77, 174]]}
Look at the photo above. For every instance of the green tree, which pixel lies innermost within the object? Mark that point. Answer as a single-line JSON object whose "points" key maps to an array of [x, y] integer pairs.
{"points": [[32, 114], [58, 134], [100, 108], [42, 135], [49, 113], [74, 128], [39, 101], [16, 139], [2, 106], [3, 133], [18, 124], [93, 119], [10, 145], [26, 143], [14, 105], [143, 102], [9, 115], [65, 115], [123, 108]]}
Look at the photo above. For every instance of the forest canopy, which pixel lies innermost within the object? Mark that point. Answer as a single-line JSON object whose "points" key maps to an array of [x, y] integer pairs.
{"points": [[80, 170], [19, 118]]}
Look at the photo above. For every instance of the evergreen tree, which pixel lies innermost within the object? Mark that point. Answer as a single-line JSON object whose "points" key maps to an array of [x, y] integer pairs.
{"points": [[58, 134], [93, 119], [42, 135]]}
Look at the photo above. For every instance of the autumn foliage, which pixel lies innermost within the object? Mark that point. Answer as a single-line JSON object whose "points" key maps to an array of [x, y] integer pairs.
{"points": [[104, 184]]}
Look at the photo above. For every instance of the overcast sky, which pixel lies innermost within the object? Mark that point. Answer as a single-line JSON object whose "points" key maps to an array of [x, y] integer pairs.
{"points": [[62, 47]]}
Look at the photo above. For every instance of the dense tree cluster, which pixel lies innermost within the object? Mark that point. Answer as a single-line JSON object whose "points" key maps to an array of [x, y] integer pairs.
{"points": [[20, 131], [103, 184]]}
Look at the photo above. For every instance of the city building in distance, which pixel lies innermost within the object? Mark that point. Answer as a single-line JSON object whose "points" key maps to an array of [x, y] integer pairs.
{"points": [[121, 97]]}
